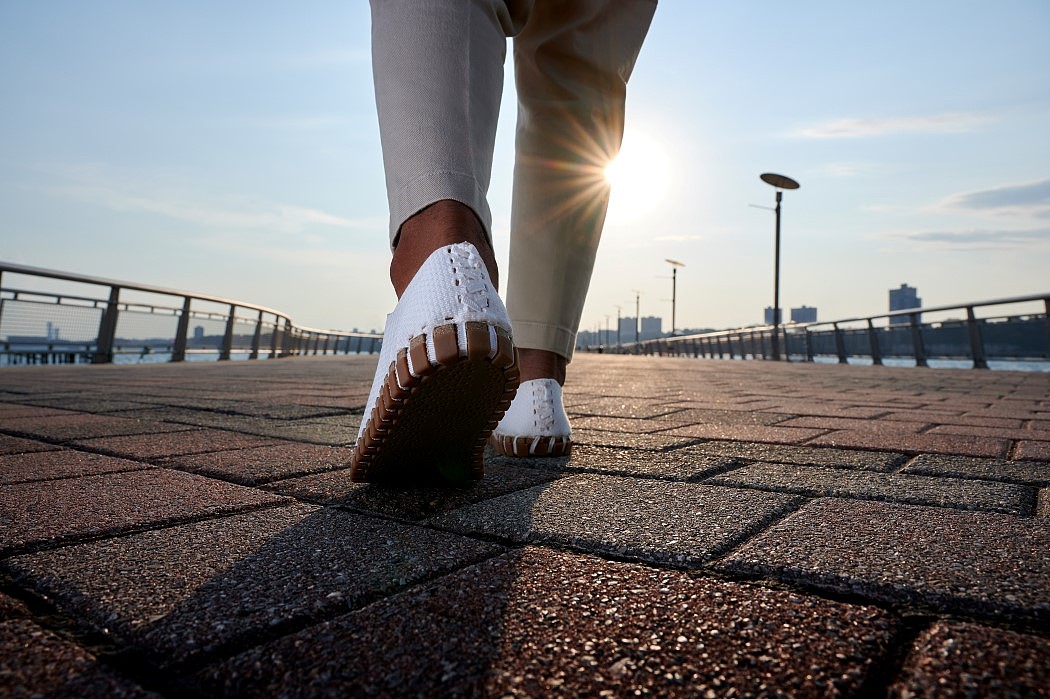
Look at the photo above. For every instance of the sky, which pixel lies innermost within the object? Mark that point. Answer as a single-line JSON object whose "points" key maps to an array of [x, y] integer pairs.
{"points": [[232, 149]]}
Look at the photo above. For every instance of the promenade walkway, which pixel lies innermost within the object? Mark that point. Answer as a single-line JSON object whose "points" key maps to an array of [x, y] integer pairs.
{"points": [[723, 528]]}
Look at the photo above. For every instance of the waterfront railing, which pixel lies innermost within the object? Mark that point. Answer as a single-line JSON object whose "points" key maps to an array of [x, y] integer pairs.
{"points": [[1015, 329], [47, 316]]}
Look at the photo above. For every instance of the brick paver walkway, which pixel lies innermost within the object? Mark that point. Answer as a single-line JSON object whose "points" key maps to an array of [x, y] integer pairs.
{"points": [[722, 529]]}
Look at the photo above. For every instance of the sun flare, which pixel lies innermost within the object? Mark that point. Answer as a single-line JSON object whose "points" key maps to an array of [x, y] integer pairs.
{"points": [[638, 176]]}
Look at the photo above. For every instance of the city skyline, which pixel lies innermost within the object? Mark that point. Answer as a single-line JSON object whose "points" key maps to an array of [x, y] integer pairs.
{"points": [[233, 151]]}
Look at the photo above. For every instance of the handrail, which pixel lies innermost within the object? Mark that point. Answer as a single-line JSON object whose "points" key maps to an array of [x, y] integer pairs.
{"points": [[751, 341], [102, 281], [285, 338]]}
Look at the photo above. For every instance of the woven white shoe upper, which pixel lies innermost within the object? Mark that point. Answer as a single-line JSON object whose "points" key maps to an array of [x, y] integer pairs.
{"points": [[452, 286], [537, 411]]}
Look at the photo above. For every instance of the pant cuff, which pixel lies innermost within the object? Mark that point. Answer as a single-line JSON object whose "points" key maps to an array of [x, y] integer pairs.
{"points": [[433, 187], [544, 336]]}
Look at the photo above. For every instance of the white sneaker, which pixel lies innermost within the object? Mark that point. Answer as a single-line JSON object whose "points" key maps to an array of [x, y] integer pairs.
{"points": [[447, 372], [536, 423]]}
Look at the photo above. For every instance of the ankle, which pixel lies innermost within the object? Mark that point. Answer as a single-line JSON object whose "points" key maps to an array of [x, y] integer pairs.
{"points": [[446, 222], [541, 364]]}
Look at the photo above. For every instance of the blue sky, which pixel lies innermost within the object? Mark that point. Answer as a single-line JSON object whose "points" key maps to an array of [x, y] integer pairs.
{"points": [[232, 149]]}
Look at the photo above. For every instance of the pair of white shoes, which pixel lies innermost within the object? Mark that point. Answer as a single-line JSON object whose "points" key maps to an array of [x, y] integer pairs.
{"points": [[448, 380]]}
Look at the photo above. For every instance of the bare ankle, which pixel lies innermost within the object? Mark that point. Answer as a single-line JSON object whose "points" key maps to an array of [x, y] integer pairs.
{"points": [[443, 223], [541, 364]]}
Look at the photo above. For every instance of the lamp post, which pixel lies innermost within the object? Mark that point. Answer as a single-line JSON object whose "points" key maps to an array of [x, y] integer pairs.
{"points": [[618, 311], [675, 264], [781, 182], [637, 316]]}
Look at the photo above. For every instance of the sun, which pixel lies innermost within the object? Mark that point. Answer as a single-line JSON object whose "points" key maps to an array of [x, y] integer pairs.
{"points": [[638, 177]]}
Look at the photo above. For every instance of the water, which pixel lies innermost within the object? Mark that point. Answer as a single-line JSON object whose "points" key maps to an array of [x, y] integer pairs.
{"points": [[1000, 365]]}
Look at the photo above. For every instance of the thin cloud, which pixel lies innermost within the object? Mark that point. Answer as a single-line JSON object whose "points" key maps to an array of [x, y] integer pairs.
{"points": [[94, 185], [1032, 197], [845, 169], [948, 123], [973, 239]]}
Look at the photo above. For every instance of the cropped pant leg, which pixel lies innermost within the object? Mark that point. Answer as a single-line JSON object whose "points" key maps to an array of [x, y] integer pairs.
{"points": [[438, 71], [572, 63]]}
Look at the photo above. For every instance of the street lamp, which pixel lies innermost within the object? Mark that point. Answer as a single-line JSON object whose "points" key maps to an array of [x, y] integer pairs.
{"points": [[781, 182], [637, 315], [675, 264]]}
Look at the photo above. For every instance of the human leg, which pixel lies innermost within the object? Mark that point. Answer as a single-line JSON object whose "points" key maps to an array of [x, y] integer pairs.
{"points": [[447, 367], [572, 63]]}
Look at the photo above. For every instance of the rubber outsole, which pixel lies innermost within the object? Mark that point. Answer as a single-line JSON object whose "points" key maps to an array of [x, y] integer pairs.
{"points": [[432, 420], [509, 445]]}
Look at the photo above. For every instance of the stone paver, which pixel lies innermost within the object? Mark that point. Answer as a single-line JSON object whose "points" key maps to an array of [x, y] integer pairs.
{"points": [[335, 488], [190, 529], [628, 440], [1030, 472], [34, 662], [968, 660], [20, 445], [805, 456], [84, 426], [264, 464], [973, 562], [680, 523], [541, 623], [32, 514], [160, 446], [65, 463], [966, 445], [679, 464], [185, 590], [894, 487]]}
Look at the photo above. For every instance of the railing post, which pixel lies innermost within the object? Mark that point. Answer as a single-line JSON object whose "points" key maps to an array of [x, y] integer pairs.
{"points": [[178, 352], [809, 346], [227, 337], [107, 329], [873, 343], [840, 344], [916, 340], [326, 339], [1046, 320], [273, 336], [256, 337], [976, 341]]}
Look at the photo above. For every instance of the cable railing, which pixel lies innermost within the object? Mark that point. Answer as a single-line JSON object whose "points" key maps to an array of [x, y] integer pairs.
{"points": [[982, 332], [52, 317]]}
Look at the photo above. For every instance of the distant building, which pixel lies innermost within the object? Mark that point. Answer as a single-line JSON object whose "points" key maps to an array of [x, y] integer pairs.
{"points": [[198, 332], [627, 329], [652, 327], [767, 315], [902, 299], [804, 314]]}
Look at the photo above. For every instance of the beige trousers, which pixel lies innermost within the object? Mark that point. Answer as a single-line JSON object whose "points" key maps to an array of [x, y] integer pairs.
{"points": [[438, 68]]}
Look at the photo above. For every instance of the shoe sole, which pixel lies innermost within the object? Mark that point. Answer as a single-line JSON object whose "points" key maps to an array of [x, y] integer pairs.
{"points": [[509, 445], [432, 419]]}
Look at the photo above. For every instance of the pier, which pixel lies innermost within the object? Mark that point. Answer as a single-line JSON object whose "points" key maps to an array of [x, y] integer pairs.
{"points": [[722, 528]]}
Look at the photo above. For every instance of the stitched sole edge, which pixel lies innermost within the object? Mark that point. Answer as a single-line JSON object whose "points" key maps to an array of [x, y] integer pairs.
{"points": [[509, 445], [411, 369]]}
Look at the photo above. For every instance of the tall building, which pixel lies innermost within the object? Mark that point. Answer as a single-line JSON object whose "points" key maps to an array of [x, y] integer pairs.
{"points": [[767, 315], [652, 327], [902, 299], [804, 314], [627, 329]]}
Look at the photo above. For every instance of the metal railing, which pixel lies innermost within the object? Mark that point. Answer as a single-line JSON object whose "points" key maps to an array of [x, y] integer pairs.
{"points": [[898, 334], [97, 320]]}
